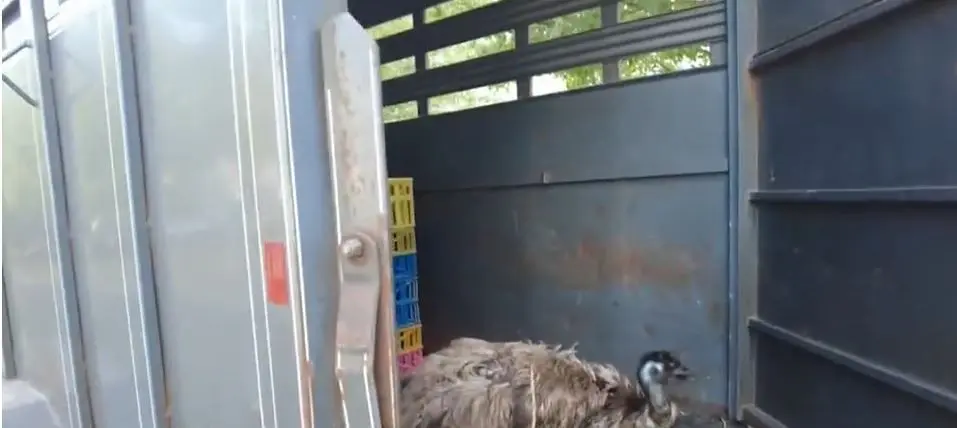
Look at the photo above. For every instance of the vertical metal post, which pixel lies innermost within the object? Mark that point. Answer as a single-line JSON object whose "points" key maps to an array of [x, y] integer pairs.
{"points": [[523, 84], [743, 176], [77, 392], [609, 69], [365, 360], [718, 52], [421, 63], [142, 255]]}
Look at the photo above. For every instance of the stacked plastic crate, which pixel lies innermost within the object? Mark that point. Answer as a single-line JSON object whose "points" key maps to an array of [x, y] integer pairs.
{"points": [[405, 274]]}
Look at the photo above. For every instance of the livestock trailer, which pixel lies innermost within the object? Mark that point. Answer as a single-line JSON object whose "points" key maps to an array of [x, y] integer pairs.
{"points": [[196, 220]]}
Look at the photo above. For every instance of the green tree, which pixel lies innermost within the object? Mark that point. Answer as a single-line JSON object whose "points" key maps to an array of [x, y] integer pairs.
{"points": [[636, 66]]}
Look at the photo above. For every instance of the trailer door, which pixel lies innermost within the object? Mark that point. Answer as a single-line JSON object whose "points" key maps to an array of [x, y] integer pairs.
{"points": [[855, 139]]}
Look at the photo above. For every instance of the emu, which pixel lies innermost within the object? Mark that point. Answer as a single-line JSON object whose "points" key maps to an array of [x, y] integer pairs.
{"points": [[473, 383]]}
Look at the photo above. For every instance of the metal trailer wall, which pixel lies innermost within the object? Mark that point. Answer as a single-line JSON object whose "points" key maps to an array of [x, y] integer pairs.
{"points": [[599, 217], [853, 323], [139, 193]]}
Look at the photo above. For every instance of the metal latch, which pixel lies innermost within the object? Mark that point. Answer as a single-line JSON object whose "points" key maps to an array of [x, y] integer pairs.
{"points": [[365, 356]]}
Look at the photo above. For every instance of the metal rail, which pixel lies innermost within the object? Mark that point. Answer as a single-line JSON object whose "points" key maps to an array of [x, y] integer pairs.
{"points": [[8, 54]]}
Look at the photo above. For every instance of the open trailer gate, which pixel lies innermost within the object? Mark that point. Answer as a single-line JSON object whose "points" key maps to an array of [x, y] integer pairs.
{"points": [[850, 310], [170, 241]]}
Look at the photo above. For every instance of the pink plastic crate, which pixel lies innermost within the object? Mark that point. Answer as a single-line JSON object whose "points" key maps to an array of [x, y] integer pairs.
{"points": [[408, 361]]}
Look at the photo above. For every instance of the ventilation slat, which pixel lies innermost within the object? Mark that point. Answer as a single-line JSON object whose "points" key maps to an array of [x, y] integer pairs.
{"points": [[480, 22], [700, 24]]}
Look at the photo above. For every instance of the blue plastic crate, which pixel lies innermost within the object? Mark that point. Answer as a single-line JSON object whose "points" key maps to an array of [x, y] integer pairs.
{"points": [[405, 265], [406, 314], [406, 289]]}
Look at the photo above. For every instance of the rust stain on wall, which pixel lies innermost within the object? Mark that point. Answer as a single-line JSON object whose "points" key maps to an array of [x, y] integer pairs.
{"points": [[716, 313], [595, 264]]}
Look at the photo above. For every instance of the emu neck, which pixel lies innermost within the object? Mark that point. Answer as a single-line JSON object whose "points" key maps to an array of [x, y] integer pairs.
{"points": [[656, 395], [653, 390]]}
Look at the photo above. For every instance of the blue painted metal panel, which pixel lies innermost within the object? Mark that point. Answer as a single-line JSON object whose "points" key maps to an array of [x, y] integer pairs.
{"points": [[663, 127], [785, 20], [857, 221], [597, 217], [619, 267]]}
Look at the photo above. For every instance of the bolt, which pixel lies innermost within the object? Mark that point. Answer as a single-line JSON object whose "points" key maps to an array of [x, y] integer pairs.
{"points": [[352, 248]]}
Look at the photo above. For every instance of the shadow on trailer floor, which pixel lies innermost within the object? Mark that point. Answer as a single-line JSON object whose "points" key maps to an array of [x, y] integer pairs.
{"points": [[689, 421], [698, 415]]}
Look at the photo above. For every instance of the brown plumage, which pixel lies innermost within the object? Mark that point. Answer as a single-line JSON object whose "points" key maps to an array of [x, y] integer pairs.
{"points": [[473, 383]]}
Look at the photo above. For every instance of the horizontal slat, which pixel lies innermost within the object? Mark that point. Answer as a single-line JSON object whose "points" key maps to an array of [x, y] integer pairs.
{"points": [[886, 375], [754, 417], [478, 23], [828, 30], [9, 53], [923, 195], [700, 24], [373, 12], [663, 127]]}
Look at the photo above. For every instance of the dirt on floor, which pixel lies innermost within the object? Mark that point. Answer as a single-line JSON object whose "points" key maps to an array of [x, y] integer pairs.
{"points": [[698, 415]]}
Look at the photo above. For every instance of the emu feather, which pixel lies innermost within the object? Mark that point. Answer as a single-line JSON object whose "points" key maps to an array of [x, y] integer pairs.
{"points": [[474, 383]]}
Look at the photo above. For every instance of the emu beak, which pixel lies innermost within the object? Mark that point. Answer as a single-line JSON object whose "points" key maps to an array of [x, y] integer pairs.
{"points": [[683, 373]]}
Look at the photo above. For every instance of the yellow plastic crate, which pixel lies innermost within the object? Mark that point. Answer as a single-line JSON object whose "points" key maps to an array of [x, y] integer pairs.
{"points": [[403, 241], [402, 203], [410, 338]]}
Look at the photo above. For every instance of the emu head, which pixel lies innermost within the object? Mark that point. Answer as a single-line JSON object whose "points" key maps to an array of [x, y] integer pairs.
{"points": [[645, 404], [661, 366]]}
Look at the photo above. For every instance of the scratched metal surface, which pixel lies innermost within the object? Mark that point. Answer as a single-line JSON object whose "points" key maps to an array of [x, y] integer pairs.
{"points": [[619, 259]]}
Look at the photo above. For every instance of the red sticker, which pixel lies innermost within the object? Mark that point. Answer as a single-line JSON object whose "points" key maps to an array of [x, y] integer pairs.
{"points": [[274, 263]]}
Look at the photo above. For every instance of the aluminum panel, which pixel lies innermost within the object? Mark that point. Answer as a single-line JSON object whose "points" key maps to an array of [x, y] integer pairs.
{"points": [[30, 264], [225, 252], [108, 289]]}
